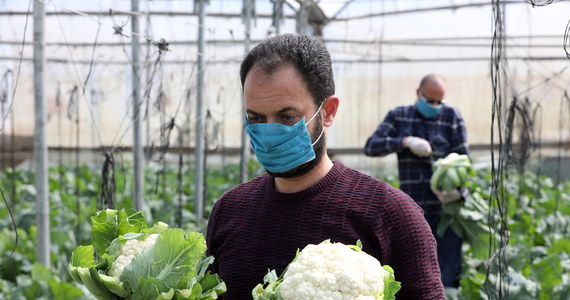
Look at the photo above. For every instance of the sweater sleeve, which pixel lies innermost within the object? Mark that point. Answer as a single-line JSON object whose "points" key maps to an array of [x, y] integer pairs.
{"points": [[210, 233], [409, 247], [385, 139]]}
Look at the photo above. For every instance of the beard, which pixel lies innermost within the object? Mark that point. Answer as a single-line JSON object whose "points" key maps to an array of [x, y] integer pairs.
{"points": [[319, 149]]}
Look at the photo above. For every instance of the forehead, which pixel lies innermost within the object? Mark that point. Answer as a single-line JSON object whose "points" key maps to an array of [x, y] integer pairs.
{"points": [[284, 87], [435, 90]]}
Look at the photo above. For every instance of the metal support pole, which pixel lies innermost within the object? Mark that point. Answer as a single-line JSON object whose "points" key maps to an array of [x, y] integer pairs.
{"points": [[277, 15], [302, 19], [138, 158], [245, 153], [200, 119], [40, 146]]}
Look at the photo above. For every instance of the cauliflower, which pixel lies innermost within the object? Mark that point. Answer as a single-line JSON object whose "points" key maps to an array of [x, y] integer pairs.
{"points": [[126, 259], [128, 251], [330, 271], [333, 271]]}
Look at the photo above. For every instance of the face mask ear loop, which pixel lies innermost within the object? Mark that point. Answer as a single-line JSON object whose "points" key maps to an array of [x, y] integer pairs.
{"points": [[316, 112], [322, 131]]}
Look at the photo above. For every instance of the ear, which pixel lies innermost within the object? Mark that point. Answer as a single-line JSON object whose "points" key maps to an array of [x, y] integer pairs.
{"points": [[330, 107]]}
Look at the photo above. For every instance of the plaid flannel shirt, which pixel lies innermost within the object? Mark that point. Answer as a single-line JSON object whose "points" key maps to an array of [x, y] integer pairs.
{"points": [[446, 133]]}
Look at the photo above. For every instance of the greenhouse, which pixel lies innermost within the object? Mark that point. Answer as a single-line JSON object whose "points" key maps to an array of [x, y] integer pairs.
{"points": [[219, 149]]}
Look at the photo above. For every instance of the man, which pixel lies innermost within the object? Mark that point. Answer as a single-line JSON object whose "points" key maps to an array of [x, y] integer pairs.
{"points": [[420, 134], [305, 197]]}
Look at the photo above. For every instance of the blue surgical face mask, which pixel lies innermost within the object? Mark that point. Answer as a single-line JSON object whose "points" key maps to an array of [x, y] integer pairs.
{"points": [[427, 110], [280, 148]]}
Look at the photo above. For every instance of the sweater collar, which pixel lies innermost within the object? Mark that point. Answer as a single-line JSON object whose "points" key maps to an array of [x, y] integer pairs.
{"points": [[332, 176]]}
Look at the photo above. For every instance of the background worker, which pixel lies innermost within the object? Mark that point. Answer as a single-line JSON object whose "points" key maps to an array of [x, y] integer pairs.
{"points": [[420, 134]]}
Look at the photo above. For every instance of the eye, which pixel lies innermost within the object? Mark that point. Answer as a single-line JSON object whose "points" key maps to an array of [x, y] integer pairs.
{"points": [[254, 119], [433, 101], [289, 119]]}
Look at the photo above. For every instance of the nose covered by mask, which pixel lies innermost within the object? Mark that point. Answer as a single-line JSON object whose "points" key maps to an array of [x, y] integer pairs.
{"points": [[427, 110], [280, 148]]}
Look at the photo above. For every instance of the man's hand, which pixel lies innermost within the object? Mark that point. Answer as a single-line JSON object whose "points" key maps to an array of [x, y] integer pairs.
{"points": [[418, 146], [448, 196]]}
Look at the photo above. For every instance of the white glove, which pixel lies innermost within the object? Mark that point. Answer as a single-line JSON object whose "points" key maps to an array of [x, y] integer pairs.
{"points": [[418, 146], [447, 196]]}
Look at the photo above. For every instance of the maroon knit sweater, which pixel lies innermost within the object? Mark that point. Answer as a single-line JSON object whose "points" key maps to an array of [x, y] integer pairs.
{"points": [[254, 228]]}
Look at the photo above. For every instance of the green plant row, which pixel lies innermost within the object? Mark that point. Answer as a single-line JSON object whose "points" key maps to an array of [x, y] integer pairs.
{"points": [[75, 195], [525, 252], [535, 264]]}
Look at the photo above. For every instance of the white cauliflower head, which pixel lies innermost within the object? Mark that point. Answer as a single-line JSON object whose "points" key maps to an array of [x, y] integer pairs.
{"points": [[127, 252], [333, 271]]}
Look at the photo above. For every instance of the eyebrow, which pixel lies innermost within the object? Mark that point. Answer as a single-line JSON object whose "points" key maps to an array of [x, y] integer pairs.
{"points": [[279, 111]]}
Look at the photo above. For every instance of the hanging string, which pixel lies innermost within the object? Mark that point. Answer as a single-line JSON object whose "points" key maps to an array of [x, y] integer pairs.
{"points": [[564, 100], [3, 101], [59, 126], [123, 171], [521, 118], [73, 116], [108, 186], [157, 67], [207, 123], [164, 137], [165, 133], [539, 141], [180, 189], [541, 3], [72, 105], [13, 159], [92, 58], [222, 125], [21, 59], [13, 224], [162, 47], [498, 199], [60, 167], [94, 101]]}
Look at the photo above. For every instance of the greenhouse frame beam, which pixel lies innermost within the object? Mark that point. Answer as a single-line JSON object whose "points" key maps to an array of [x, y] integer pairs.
{"points": [[356, 60], [344, 6], [176, 150], [256, 41], [142, 13], [421, 10]]}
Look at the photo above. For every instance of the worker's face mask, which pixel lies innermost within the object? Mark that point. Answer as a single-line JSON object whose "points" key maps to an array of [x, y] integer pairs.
{"points": [[280, 148], [427, 110]]}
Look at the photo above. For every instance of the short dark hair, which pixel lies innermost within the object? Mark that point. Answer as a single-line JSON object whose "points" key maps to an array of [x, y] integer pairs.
{"points": [[307, 54]]}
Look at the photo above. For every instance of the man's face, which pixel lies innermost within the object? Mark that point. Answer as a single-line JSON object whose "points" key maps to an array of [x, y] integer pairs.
{"points": [[433, 93], [283, 97]]}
